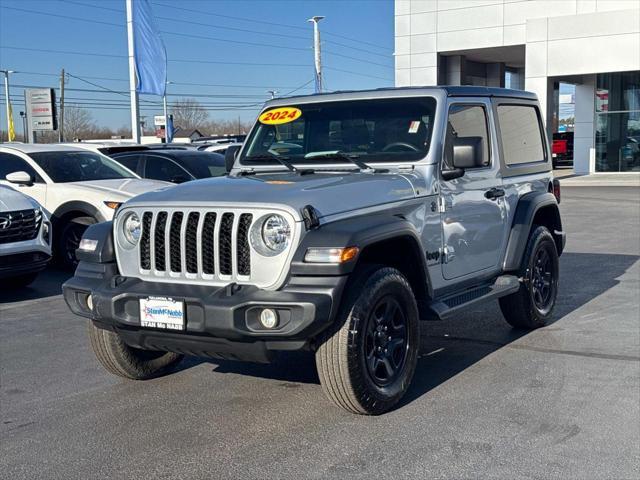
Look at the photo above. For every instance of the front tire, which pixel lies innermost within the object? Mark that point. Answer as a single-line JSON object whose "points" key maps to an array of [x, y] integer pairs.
{"points": [[128, 362], [531, 306], [69, 240], [366, 362]]}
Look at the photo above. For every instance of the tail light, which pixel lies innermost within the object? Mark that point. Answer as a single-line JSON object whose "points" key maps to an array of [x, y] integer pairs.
{"points": [[556, 189]]}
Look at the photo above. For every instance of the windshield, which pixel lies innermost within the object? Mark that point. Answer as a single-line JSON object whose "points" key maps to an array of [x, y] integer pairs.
{"points": [[389, 130], [72, 166], [204, 164]]}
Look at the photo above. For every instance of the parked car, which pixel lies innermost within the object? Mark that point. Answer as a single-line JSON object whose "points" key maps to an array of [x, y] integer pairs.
{"points": [[25, 238], [399, 205], [176, 166], [76, 187], [562, 149], [222, 148]]}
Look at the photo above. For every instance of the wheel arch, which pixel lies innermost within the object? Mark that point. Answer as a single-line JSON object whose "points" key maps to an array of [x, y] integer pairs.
{"points": [[388, 240], [76, 209], [533, 209]]}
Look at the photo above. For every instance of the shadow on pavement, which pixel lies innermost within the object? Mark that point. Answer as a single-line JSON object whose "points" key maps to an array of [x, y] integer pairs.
{"points": [[447, 348], [48, 284]]}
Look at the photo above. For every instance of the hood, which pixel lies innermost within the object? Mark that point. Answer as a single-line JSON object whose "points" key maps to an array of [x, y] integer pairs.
{"points": [[328, 193], [124, 188], [12, 200]]}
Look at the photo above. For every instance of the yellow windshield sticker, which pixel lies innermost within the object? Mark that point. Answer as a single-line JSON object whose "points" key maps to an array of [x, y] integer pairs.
{"points": [[278, 116]]}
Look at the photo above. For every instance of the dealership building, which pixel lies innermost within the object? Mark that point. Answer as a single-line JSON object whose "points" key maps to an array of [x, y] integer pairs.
{"points": [[593, 46]]}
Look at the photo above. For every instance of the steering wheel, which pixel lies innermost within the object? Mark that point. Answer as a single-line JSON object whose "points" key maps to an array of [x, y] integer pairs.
{"points": [[405, 145]]}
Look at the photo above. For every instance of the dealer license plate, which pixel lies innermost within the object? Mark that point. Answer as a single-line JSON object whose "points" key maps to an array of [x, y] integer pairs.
{"points": [[162, 312]]}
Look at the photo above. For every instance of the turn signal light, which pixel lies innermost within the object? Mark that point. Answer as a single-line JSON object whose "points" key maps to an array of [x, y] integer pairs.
{"points": [[331, 255]]}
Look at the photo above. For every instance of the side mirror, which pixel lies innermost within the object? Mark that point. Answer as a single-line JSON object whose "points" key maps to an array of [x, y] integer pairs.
{"points": [[20, 178], [230, 157], [467, 152]]}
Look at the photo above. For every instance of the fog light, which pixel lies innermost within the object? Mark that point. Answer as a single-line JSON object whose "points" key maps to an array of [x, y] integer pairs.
{"points": [[269, 318], [45, 232], [90, 302]]}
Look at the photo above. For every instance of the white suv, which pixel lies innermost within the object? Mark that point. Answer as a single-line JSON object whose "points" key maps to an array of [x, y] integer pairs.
{"points": [[25, 238], [76, 187]]}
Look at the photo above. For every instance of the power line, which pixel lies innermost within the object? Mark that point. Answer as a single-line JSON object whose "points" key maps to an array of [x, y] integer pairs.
{"points": [[68, 17], [264, 22]]}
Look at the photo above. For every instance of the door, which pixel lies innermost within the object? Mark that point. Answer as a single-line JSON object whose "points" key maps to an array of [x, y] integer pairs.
{"points": [[472, 208], [10, 163]]}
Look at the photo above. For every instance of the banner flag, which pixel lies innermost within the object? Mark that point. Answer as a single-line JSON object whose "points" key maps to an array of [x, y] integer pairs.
{"points": [[12, 128], [149, 52]]}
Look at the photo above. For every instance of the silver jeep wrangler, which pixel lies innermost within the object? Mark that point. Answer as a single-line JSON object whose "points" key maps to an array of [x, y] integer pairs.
{"points": [[345, 220]]}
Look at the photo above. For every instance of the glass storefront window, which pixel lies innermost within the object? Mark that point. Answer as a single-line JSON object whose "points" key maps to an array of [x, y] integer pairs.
{"points": [[618, 122]]}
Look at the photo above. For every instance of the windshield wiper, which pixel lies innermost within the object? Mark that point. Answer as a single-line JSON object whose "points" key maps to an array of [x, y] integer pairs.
{"points": [[350, 157], [282, 160]]}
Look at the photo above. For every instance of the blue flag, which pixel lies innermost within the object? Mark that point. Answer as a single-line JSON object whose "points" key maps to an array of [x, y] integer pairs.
{"points": [[149, 52]]}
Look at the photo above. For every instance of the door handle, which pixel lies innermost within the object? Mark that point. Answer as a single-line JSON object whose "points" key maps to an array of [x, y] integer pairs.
{"points": [[494, 193]]}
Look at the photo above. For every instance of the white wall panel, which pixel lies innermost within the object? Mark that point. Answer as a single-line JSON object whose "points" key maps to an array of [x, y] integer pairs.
{"points": [[594, 24], [481, 38], [613, 53], [423, 23], [463, 19], [423, 43]]}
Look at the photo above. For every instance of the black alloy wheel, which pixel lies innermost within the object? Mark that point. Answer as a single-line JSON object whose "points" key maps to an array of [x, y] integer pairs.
{"points": [[386, 343]]}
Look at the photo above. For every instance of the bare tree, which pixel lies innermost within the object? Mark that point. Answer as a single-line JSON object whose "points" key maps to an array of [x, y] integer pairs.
{"points": [[188, 114], [78, 124]]}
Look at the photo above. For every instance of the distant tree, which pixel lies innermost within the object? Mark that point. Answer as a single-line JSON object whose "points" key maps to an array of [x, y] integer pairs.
{"points": [[78, 124], [188, 114]]}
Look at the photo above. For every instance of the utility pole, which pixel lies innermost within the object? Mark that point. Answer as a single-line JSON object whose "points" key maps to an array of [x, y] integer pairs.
{"points": [[239, 132], [316, 51], [272, 93], [61, 126], [6, 98], [135, 123], [166, 114]]}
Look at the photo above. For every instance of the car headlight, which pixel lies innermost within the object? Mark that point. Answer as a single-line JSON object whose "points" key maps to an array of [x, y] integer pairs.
{"points": [[131, 228], [271, 236]]}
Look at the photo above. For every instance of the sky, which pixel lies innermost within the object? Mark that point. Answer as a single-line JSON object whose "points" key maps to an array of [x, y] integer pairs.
{"points": [[225, 54]]}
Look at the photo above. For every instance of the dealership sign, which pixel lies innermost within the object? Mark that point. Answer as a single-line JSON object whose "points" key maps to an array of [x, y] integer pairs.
{"points": [[41, 108]]}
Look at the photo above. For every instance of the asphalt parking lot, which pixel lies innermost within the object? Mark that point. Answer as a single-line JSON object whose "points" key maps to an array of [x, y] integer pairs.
{"points": [[487, 401]]}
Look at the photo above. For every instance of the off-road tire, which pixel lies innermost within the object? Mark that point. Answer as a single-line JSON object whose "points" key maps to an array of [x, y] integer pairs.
{"points": [[341, 358], [520, 308], [128, 362]]}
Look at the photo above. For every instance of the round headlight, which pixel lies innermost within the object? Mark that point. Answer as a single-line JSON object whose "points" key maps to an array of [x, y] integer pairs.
{"points": [[131, 228], [276, 233], [271, 235]]}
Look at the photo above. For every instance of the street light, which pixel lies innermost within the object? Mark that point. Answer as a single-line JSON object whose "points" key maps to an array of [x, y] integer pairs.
{"points": [[6, 97], [272, 93]]}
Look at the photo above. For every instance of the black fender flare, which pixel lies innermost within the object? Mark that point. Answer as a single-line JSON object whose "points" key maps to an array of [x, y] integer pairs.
{"points": [[362, 232], [528, 205], [104, 252]]}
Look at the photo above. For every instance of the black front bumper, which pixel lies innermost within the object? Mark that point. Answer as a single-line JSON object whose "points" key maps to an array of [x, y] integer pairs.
{"points": [[220, 322], [25, 263]]}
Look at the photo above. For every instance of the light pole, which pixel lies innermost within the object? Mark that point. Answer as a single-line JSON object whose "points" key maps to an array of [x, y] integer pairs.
{"points": [[272, 93], [6, 98], [24, 126], [166, 114], [316, 50]]}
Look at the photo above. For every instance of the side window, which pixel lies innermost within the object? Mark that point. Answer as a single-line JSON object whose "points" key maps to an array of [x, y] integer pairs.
{"points": [[521, 134], [128, 160], [466, 121], [10, 163], [160, 168]]}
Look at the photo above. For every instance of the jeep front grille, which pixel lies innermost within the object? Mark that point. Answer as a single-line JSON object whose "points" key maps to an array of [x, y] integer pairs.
{"points": [[202, 246], [19, 225], [192, 246]]}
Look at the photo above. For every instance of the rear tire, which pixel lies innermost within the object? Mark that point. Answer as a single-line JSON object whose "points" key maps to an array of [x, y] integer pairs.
{"points": [[532, 305], [128, 362], [367, 360]]}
